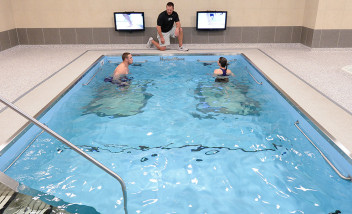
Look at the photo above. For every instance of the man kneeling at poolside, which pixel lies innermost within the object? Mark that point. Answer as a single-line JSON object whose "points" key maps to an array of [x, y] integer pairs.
{"points": [[167, 29]]}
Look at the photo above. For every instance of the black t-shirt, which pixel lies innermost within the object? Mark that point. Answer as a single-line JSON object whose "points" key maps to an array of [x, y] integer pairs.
{"points": [[166, 22]]}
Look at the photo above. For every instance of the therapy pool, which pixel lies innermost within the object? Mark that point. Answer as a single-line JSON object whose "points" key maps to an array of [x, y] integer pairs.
{"points": [[182, 143]]}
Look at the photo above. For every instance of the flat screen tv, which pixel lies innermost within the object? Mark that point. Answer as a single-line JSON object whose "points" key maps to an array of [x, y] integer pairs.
{"points": [[211, 20], [129, 21]]}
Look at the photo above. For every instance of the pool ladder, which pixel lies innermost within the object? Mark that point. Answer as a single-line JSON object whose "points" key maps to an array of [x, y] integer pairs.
{"points": [[322, 154], [73, 147]]}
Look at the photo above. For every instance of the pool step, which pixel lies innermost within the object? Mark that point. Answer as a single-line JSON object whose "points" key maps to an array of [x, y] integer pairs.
{"points": [[6, 196], [57, 202], [14, 202], [31, 201]]}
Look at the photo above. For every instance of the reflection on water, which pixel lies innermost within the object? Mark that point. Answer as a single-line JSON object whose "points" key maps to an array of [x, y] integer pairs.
{"points": [[109, 100], [220, 158], [208, 150], [226, 98]]}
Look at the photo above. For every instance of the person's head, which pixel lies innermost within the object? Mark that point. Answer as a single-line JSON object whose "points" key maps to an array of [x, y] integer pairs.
{"points": [[127, 57], [169, 8], [223, 62]]}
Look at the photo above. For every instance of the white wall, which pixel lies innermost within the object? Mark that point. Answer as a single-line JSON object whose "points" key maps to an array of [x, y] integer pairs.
{"points": [[6, 16], [315, 14], [94, 13]]}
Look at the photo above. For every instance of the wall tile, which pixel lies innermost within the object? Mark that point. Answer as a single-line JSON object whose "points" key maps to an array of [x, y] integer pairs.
{"points": [[309, 40], [266, 34], [5, 40], [84, 35], [250, 34], [173, 40], [135, 37], [216, 36], [52, 35], [117, 37], [13, 37], [316, 39], [149, 32], [22, 36], [68, 36], [101, 36], [304, 36], [187, 35], [283, 34], [329, 38], [35, 36], [345, 40], [296, 34], [200, 36], [233, 35]]}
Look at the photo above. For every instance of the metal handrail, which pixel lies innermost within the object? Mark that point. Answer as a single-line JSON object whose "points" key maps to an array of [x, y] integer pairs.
{"points": [[213, 61], [75, 148], [111, 61], [260, 83], [322, 154], [99, 69]]}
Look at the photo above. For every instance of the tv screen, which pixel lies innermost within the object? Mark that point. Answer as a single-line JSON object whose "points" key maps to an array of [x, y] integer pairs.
{"points": [[211, 20], [129, 21]]}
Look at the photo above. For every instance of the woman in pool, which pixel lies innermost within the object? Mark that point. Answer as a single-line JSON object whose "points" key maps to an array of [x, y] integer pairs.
{"points": [[222, 74]]}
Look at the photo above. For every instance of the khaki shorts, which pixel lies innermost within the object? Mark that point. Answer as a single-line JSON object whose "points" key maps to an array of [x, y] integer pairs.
{"points": [[167, 36]]}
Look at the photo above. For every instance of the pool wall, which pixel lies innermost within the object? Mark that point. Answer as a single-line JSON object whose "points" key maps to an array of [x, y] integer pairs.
{"points": [[323, 142]]}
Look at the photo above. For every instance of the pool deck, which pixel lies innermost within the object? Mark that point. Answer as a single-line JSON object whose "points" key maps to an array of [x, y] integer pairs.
{"points": [[318, 80]]}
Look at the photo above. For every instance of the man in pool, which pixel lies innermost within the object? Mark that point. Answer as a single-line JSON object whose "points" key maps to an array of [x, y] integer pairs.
{"points": [[222, 74], [166, 29], [121, 71]]}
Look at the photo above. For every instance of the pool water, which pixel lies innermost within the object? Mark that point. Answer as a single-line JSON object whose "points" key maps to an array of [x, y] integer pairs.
{"points": [[183, 144]]}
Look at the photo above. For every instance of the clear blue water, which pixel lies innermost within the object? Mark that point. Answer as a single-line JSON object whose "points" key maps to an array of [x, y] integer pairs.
{"points": [[183, 144]]}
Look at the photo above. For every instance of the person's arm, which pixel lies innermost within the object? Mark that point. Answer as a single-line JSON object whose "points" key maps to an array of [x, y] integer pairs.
{"points": [[116, 76], [230, 72], [159, 23], [158, 28], [178, 26], [117, 72]]}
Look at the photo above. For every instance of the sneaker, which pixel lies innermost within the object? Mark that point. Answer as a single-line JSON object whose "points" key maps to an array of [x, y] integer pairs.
{"points": [[182, 48], [149, 43]]}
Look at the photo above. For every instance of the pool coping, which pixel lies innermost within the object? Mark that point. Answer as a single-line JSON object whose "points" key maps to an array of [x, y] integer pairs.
{"points": [[327, 115]]}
